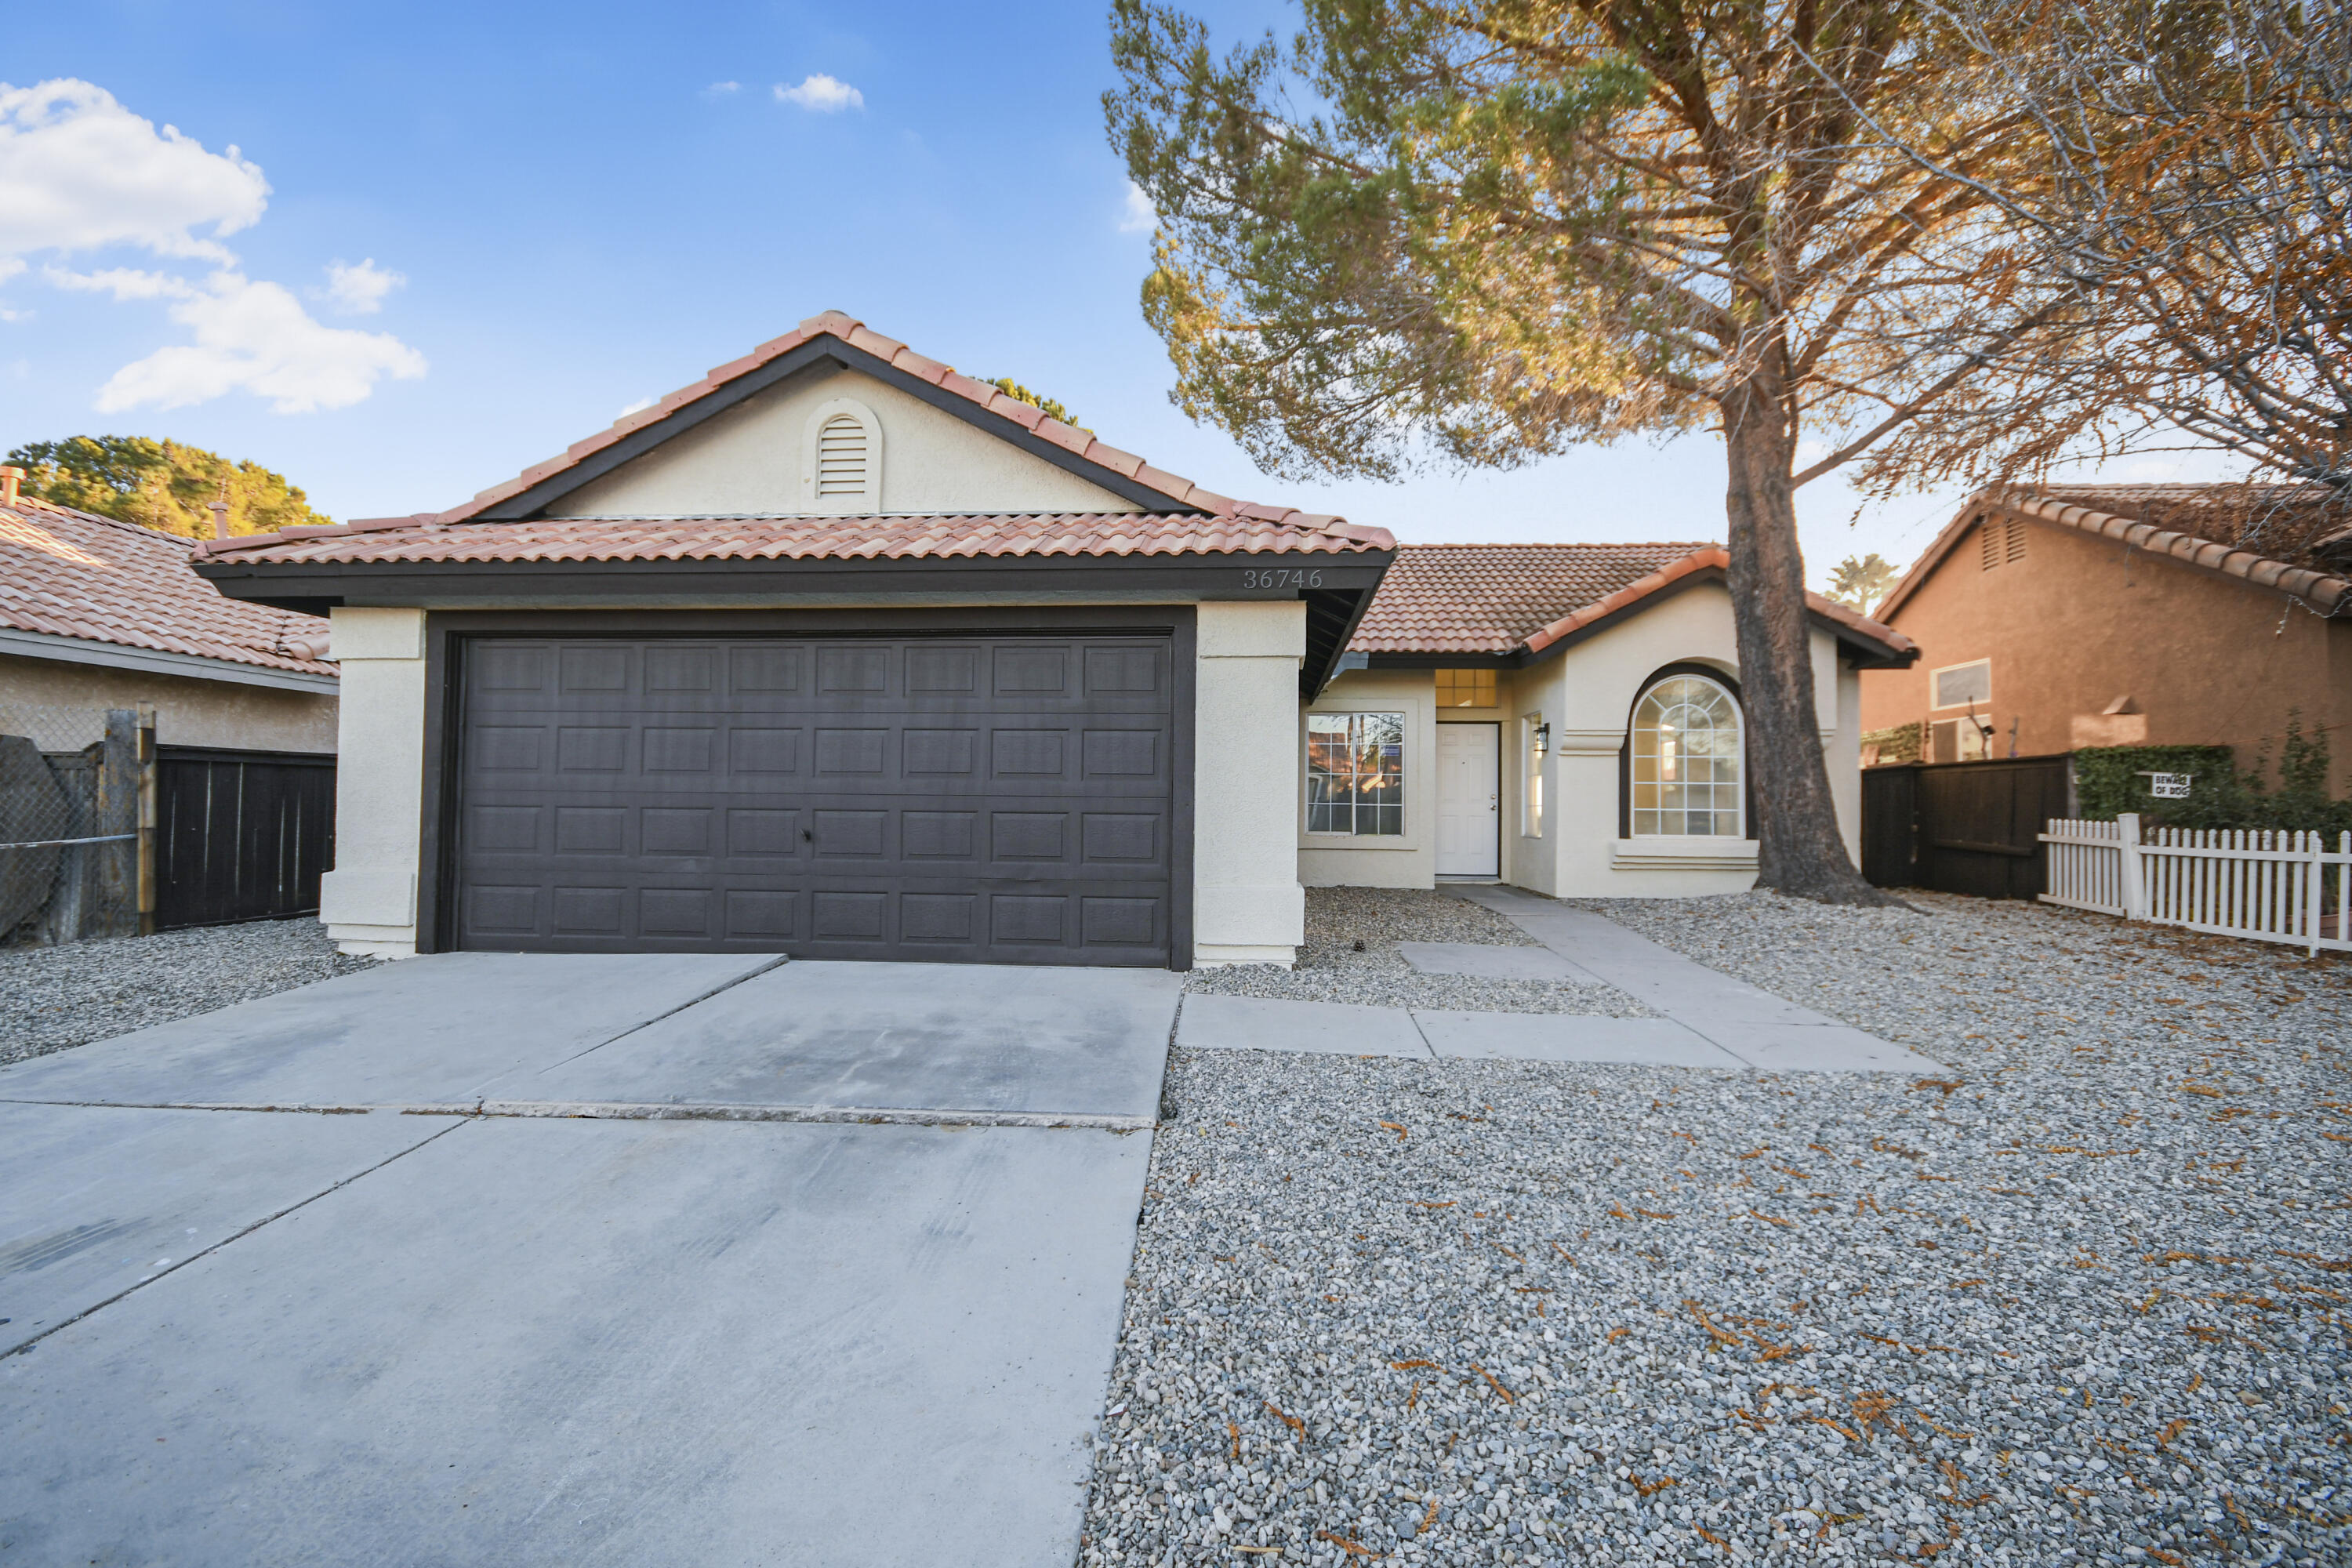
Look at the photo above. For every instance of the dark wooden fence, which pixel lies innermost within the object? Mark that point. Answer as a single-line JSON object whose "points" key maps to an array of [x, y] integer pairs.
{"points": [[1961, 828], [240, 836]]}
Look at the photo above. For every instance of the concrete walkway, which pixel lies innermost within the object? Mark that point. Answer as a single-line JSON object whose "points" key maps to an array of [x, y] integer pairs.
{"points": [[1709, 1018], [671, 1295]]}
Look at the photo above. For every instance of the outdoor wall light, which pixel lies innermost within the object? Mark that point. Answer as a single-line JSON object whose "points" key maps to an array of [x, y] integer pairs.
{"points": [[1543, 739]]}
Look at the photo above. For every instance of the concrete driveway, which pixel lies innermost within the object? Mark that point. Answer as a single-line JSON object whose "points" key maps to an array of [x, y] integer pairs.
{"points": [[693, 1260]]}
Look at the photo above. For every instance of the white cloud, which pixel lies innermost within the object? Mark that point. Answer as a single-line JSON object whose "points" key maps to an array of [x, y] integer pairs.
{"points": [[640, 405], [78, 171], [721, 89], [1137, 216], [359, 291], [821, 94], [251, 336]]}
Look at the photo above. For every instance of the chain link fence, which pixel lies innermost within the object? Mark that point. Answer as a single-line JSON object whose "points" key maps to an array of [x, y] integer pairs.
{"points": [[71, 786]]}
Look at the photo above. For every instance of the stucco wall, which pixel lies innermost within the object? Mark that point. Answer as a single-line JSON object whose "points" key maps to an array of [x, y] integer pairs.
{"points": [[188, 712], [751, 459], [2080, 622], [1587, 696], [369, 899], [1247, 906], [1409, 860]]}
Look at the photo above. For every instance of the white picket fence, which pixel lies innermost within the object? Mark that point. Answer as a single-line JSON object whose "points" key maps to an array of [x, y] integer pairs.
{"points": [[2270, 887]]}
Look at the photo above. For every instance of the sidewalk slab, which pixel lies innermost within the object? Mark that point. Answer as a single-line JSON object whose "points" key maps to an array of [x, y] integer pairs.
{"points": [[1569, 1037], [899, 1036], [422, 1031], [1488, 962], [1808, 1048], [95, 1199], [1330, 1028], [1746, 1020], [601, 1344]]}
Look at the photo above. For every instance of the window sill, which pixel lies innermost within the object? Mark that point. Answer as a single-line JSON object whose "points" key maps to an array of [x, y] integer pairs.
{"points": [[1691, 854], [1356, 841]]}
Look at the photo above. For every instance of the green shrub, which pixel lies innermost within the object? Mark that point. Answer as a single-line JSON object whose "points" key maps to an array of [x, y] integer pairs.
{"points": [[2108, 781]]}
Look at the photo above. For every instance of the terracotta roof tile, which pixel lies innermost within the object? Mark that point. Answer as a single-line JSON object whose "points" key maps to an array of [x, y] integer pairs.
{"points": [[2286, 538], [806, 538], [1180, 491], [1500, 598], [74, 574]]}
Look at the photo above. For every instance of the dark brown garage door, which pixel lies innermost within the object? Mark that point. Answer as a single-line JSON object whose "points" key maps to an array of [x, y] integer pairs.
{"points": [[988, 799]]}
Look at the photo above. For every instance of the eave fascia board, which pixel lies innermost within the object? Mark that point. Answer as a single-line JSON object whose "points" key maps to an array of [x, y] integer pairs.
{"points": [[817, 351], [1207, 575], [158, 661]]}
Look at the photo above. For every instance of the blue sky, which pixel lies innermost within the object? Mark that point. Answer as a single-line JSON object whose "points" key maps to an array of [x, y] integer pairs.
{"points": [[543, 214]]}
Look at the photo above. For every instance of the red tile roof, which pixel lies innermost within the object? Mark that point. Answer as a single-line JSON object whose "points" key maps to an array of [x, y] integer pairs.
{"points": [[1502, 598], [1195, 520], [2180, 521], [74, 574], [808, 538]]}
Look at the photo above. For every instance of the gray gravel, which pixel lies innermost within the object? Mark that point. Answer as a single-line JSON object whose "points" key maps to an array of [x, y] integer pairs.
{"points": [[1330, 969], [53, 997], [2082, 1301]]}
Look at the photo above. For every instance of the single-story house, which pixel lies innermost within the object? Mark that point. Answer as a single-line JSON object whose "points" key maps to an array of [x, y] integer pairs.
{"points": [[838, 652], [97, 614], [2063, 618]]}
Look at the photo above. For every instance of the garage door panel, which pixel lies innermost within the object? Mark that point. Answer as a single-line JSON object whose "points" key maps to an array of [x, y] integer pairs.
{"points": [[996, 798]]}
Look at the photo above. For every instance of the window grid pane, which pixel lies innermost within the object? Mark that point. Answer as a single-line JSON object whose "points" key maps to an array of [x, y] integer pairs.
{"points": [[1687, 757], [1466, 688], [1355, 774]]}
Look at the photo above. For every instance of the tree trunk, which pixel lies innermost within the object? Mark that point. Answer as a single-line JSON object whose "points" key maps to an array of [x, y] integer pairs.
{"points": [[1799, 849]]}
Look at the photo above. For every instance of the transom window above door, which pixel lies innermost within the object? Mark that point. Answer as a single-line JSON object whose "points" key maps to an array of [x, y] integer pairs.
{"points": [[1686, 761], [1355, 774], [1466, 688]]}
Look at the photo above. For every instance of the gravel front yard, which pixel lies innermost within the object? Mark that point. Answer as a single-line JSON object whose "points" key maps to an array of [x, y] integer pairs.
{"points": [[53, 997], [2080, 1301], [1332, 969]]}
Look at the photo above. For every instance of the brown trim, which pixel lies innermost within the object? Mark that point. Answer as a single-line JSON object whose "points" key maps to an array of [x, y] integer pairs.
{"points": [[1625, 748], [1221, 574], [817, 352], [447, 634], [1864, 652]]}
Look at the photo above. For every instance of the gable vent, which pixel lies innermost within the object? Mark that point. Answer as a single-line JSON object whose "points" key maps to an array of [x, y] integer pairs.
{"points": [[841, 457]]}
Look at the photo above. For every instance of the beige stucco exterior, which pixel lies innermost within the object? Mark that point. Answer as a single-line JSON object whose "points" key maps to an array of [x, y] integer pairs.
{"points": [[754, 458], [188, 712], [1586, 694], [369, 899], [1247, 905]]}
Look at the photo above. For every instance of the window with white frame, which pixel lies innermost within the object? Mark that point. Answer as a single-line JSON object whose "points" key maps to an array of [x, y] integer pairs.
{"points": [[1532, 776], [1962, 685], [1355, 774], [1686, 761]]}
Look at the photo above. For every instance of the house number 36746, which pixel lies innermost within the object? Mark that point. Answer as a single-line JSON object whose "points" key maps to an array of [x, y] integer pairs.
{"points": [[1277, 578]]}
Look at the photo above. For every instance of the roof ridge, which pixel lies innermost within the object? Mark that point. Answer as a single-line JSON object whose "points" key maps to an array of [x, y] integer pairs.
{"points": [[2330, 593], [987, 398], [139, 529]]}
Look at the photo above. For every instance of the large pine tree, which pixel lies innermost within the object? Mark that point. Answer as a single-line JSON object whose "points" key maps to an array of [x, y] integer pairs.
{"points": [[162, 485]]}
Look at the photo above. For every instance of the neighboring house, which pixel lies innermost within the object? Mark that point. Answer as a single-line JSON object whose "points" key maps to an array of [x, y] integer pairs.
{"points": [[98, 613], [840, 652], [2124, 616]]}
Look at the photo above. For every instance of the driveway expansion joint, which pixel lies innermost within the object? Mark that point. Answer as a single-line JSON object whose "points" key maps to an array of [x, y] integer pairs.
{"points": [[886, 1116]]}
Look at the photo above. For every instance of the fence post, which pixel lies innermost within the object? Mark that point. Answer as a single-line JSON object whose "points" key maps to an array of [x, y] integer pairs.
{"points": [[2318, 843], [2133, 886], [117, 814], [146, 753]]}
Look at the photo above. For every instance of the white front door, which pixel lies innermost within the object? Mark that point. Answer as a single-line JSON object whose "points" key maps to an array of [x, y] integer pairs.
{"points": [[1469, 800]]}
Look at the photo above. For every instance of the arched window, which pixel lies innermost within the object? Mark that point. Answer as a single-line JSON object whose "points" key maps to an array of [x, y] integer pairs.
{"points": [[1686, 761]]}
